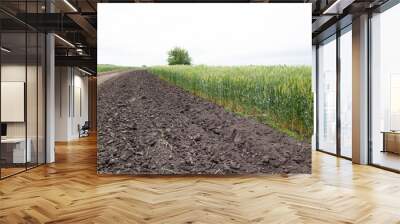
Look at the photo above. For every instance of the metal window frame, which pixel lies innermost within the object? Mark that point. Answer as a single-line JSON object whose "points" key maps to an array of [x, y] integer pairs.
{"points": [[44, 75], [324, 41], [388, 5], [341, 32], [334, 37]]}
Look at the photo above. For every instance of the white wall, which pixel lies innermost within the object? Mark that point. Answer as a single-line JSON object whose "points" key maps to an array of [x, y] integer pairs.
{"points": [[14, 72], [70, 83], [81, 82], [62, 82], [17, 72], [33, 126], [80, 87]]}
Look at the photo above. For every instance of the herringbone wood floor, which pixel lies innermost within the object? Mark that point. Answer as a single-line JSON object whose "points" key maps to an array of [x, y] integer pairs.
{"points": [[70, 191]]}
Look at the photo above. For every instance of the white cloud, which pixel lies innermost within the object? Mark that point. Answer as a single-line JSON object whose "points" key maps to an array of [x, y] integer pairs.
{"points": [[214, 34]]}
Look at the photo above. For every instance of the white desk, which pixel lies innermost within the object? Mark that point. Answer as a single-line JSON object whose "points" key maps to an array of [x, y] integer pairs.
{"points": [[18, 149]]}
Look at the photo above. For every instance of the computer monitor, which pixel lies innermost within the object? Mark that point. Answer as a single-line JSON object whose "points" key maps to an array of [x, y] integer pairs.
{"points": [[3, 129]]}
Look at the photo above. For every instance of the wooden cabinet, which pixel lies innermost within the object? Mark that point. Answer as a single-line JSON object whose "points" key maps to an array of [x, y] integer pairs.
{"points": [[391, 142]]}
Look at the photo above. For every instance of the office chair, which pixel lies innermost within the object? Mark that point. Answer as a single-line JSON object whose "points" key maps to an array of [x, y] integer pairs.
{"points": [[84, 130]]}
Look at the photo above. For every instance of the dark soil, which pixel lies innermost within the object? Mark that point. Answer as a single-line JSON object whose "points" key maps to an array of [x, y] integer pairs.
{"points": [[147, 126]]}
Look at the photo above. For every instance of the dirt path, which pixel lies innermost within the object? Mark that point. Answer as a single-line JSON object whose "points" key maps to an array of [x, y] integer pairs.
{"points": [[146, 126], [102, 77]]}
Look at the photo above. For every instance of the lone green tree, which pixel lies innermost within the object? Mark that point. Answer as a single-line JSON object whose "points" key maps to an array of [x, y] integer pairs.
{"points": [[179, 56]]}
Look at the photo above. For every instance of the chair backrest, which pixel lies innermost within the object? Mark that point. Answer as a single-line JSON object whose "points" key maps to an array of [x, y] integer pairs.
{"points": [[86, 125]]}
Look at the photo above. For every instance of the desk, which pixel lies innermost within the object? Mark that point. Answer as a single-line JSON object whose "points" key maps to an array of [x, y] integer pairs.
{"points": [[13, 150], [391, 141]]}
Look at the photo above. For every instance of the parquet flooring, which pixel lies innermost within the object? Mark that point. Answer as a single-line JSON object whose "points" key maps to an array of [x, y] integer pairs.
{"points": [[10, 171], [70, 191]]}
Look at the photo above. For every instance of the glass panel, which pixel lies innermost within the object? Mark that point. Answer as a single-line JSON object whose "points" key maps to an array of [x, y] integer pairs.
{"points": [[386, 89], [23, 90], [346, 94], [327, 97], [41, 99], [13, 88], [31, 98], [31, 88]]}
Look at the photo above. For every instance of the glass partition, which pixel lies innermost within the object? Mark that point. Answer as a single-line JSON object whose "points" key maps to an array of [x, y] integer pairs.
{"points": [[385, 89], [327, 96], [346, 93], [22, 77], [31, 86], [14, 153], [41, 87], [31, 99]]}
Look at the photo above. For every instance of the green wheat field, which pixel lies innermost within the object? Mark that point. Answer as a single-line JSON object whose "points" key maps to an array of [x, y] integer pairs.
{"points": [[280, 96], [103, 68]]}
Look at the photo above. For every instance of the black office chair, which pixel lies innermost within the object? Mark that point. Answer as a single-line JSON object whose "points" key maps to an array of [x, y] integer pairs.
{"points": [[84, 130]]}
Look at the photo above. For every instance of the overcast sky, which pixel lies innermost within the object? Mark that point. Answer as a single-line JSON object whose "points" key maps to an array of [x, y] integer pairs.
{"points": [[214, 34]]}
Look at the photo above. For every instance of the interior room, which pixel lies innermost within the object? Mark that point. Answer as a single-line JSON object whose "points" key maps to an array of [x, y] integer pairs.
{"points": [[45, 81], [48, 156]]}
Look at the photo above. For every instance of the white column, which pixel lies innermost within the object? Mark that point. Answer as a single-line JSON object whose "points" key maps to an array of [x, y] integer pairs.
{"points": [[360, 90], [50, 99], [63, 77]]}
